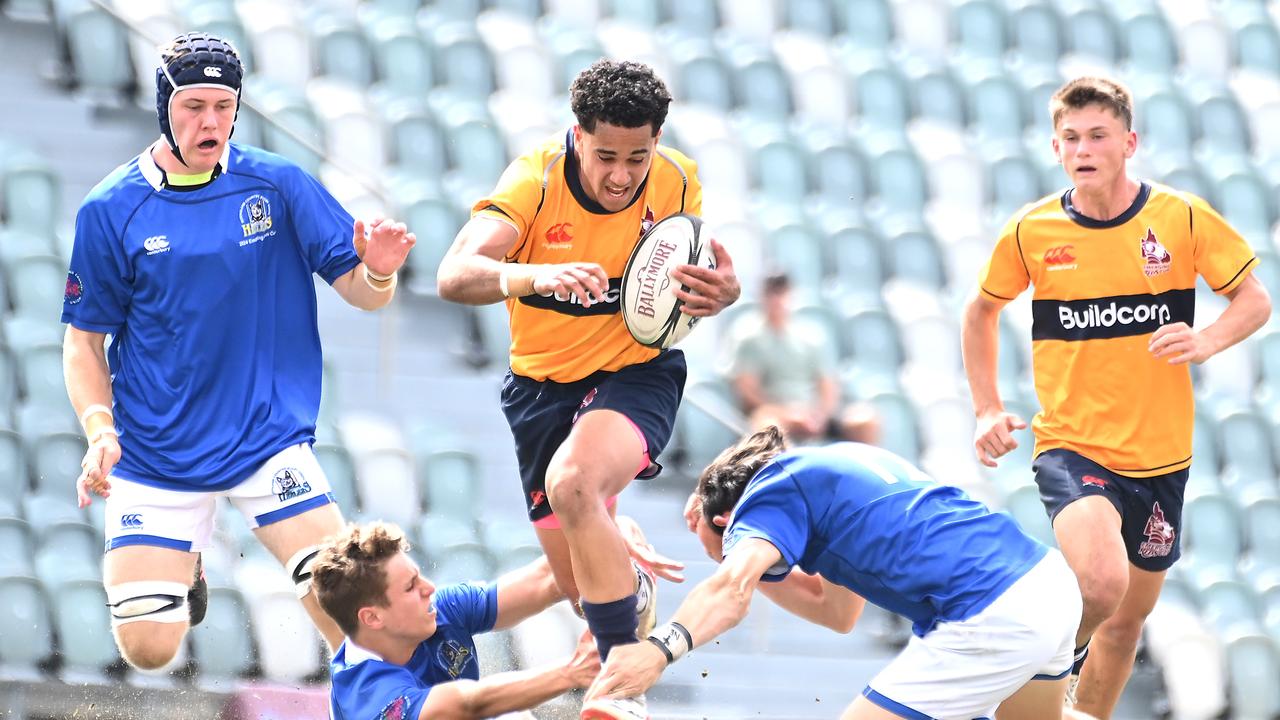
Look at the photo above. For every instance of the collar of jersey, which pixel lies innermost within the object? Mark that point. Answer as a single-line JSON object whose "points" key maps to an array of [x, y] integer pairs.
{"points": [[1144, 192], [155, 176], [575, 183], [356, 654]]}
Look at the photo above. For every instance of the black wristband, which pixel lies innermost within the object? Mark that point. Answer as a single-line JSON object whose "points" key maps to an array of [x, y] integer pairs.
{"points": [[663, 647]]}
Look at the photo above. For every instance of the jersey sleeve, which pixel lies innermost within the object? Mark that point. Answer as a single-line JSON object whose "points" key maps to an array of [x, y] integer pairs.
{"points": [[693, 195], [1223, 257], [100, 279], [377, 691], [515, 199], [322, 225], [771, 509], [1005, 275], [474, 606]]}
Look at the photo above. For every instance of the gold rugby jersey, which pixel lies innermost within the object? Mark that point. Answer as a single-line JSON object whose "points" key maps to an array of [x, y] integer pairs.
{"points": [[1101, 289], [541, 195]]}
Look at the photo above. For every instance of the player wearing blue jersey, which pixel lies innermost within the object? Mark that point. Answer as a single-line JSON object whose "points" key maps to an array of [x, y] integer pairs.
{"points": [[992, 609], [410, 651], [195, 259]]}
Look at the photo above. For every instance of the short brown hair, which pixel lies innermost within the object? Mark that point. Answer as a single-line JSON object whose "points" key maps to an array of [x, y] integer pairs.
{"points": [[1084, 91], [721, 484], [350, 571]]}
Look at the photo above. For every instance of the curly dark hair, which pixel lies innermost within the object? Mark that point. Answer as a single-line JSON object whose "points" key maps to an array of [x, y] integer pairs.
{"points": [[351, 571], [622, 93], [721, 484]]}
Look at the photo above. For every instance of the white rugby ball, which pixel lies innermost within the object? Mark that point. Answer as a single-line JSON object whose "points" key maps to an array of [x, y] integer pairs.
{"points": [[650, 307]]}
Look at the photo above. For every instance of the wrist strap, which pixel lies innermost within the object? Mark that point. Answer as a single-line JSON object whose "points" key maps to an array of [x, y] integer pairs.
{"points": [[515, 280], [673, 639], [388, 282], [103, 433], [94, 410]]}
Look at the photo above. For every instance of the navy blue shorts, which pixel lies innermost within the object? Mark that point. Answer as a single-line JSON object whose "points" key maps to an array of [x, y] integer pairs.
{"points": [[1150, 508], [541, 414]]}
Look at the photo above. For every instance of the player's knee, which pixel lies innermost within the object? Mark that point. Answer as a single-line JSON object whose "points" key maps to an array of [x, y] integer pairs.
{"points": [[1122, 629], [571, 490], [149, 646], [1102, 591]]}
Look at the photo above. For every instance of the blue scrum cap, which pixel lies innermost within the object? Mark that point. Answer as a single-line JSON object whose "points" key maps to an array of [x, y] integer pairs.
{"points": [[194, 60]]}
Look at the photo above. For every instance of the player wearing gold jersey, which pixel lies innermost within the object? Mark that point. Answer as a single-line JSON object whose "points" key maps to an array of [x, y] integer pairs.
{"points": [[1113, 262], [589, 407]]}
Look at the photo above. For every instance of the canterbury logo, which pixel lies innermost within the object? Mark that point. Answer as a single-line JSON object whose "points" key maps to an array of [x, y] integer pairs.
{"points": [[156, 244], [213, 72], [132, 520], [559, 234], [1060, 255]]}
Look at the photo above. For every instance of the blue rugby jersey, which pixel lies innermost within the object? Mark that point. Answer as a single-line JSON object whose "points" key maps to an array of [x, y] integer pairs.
{"points": [[366, 687], [868, 520], [208, 297]]}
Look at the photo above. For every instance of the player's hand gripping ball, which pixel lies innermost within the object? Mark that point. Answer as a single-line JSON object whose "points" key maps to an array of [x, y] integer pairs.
{"points": [[650, 307]]}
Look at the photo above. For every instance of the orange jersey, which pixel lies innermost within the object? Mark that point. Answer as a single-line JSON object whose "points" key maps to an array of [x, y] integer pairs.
{"points": [[1101, 289], [541, 196]]}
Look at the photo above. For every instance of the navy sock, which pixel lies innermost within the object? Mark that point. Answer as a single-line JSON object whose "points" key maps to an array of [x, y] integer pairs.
{"points": [[1082, 653], [613, 623]]}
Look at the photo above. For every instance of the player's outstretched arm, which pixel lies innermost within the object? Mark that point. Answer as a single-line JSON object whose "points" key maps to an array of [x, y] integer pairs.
{"points": [[817, 600], [88, 381], [383, 250], [979, 346], [715, 605], [511, 691], [525, 592]]}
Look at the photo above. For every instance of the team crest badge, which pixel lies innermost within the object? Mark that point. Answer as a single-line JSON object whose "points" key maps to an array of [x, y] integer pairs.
{"points": [[255, 216], [395, 710], [289, 483], [1160, 535], [1156, 260], [454, 657], [648, 222], [74, 291]]}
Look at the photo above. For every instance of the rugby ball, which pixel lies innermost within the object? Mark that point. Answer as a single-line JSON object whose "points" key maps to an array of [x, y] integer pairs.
{"points": [[650, 307]]}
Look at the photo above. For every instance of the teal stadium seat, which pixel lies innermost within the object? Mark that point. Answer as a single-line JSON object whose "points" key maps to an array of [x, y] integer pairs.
{"points": [[342, 50], [1188, 177], [452, 482], [1250, 469], [1037, 34], [479, 151], [418, 141], [815, 17], [219, 19], [99, 54], [1212, 536], [997, 110], [1254, 664], [528, 9], [899, 427], [839, 168], [465, 66], [573, 50], [403, 58], [30, 194], [1257, 43], [37, 285], [704, 78], [41, 372], [1153, 49], [430, 210], [797, 248], [1245, 200], [980, 29], [819, 321], [867, 23], [15, 538], [84, 629], [69, 552], [1023, 503], [877, 342], [1229, 607], [507, 536], [1092, 34], [900, 182], [1166, 123], [760, 84], [705, 425], [857, 259], [695, 17], [1224, 125], [643, 13], [340, 470], [26, 627], [438, 530], [779, 164], [461, 563], [1015, 181], [55, 462], [914, 256], [223, 644], [8, 388], [1262, 534], [937, 94], [1267, 341], [289, 108], [883, 98]]}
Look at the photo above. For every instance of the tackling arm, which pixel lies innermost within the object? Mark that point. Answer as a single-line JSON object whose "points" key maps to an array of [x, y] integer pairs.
{"points": [[817, 600]]}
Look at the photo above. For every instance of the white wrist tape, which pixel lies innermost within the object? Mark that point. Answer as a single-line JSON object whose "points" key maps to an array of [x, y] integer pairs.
{"points": [[103, 433], [673, 640], [502, 283], [94, 410], [370, 278]]}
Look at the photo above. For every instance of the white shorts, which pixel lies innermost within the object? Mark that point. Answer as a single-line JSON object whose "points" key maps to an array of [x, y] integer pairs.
{"points": [[964, 670], [289, 483]]}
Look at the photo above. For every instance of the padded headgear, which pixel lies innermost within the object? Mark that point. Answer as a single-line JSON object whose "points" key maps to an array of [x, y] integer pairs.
{"points": [[194, 60]]}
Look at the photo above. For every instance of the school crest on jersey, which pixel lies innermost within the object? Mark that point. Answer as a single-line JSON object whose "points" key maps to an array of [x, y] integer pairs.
{"points": [[289, 483], [648, 221], [74, 291], [255, 219], [1160, 535], [454, 657], [395, 710], [1156, 260]]}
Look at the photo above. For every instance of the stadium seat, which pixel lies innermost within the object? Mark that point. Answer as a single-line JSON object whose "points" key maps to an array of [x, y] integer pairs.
{"points": [[41, 372], [695, 17], [99, 52], [55, 462], [1254, 663], [1207, 47], [1268, 343], [15, 538], [9, 388], [1152, 47], [437, 530], [281, 47], [417, 140], [914, 256], [288, 644], [460, 562], [981, 28], [1093, 35], [1015, 181], [1262, 533], [26, 628], [451, 483], [1188, 177], [1230, 606], [877, 341], [221, 20], [340, 470], [403, 58], [1248, 456], [342, 51], [820, 88], [29, 197], [1166, 123], [779, 165], [1212, 532], [84, 629], [648, 14], [858, 263], [882, 96], [1024, 505], [797, 249], [997, 110], [922, 26], [510, 535], [464, 63], [901, 186], [1223, 123], [1257, 42], [290, 110], [439, 220], [937, 94], [1247, 202], [67, 552], [869, 24], [839, 169], [1037, 34], [479, 153], [35, 284], [819, 321], [223, 644], [385, 480], [705, 424], [760, 84], [899, 428], [702, 76], [813, 17]]}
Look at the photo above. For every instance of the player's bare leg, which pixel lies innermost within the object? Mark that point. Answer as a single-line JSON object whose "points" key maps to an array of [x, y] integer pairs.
{"points": [[1039, 700], [145, 644], [864, 709], [289, 536], [1088, 532], [1115, 645]]}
